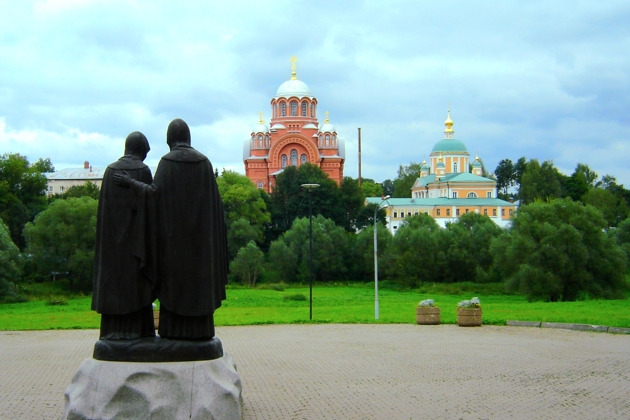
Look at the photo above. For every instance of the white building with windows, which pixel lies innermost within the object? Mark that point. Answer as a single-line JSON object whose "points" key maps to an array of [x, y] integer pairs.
{"points": [[60, 181]]}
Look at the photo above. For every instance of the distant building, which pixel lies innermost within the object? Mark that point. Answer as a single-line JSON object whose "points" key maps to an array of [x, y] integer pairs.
{"points": [[448, 187], [60, 181], [294, 137]]}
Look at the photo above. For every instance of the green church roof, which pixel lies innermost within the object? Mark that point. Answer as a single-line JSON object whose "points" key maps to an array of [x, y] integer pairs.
{"points": [[449, 146], [442, 201]]}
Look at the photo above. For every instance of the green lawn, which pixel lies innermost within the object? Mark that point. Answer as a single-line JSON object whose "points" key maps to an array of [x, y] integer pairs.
{"points": [[340, 304]]}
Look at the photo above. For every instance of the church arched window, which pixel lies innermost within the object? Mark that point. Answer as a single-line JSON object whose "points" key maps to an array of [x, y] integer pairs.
{"points": [[304, 108], [303, 159], [312, 110], [455, 166], [266, 141], [284, 161], [260, 185], [293, 109], [294, 158], [275, 110], [471, 195], [283, 109], [327, 140], [260, 141]]}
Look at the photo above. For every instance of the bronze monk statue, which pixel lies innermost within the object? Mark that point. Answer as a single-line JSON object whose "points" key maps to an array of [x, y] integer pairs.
{"points": [[123, 291]]}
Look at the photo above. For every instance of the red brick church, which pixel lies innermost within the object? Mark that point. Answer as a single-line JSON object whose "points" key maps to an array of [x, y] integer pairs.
{"points": [[293, 137]]}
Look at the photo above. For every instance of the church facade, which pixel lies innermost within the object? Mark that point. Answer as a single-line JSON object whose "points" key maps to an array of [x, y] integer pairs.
{"points": [[293, 137], [449, 186]]}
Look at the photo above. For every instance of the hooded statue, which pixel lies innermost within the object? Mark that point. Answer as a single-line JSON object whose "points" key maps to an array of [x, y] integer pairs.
{"points": [[191, 262], [122, 291]]}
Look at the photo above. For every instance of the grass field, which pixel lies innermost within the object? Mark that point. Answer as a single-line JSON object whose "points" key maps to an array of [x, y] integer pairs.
{"points": [[332, 304]]}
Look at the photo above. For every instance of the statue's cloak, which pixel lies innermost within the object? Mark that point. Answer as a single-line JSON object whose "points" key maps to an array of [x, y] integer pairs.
{"points": [[191, 252], [121, 255]]}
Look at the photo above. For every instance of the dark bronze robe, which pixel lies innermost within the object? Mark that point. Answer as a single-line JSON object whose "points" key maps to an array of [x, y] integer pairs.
{"points": [[191, 253], [121, 285]]}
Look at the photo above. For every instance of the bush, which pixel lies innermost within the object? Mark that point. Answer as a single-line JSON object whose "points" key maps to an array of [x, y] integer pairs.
{"points": [[297, 297], [279, 287], [57, 301]]}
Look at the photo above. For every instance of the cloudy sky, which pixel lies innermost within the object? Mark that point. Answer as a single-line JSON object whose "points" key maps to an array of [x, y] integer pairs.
{"points": [[542, 79]]}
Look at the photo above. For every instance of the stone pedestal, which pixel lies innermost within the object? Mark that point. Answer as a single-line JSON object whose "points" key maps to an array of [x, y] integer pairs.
{"points": [[177, 390]]}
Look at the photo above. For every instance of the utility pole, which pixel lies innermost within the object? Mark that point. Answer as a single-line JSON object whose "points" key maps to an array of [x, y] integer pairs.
{"points": [[359, 157]]}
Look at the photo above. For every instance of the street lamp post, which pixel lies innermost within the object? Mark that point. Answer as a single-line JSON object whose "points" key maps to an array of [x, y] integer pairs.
{"points": [[387, 197], [310, 187]]}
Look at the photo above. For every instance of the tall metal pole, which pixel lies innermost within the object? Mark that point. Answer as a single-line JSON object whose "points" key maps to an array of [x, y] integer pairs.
{"points": [[359, 157], [375, 265], [310, 251], [376, 257], [310, 187]]}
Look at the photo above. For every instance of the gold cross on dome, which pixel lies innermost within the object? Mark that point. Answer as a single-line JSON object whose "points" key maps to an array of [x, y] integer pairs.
{"points": [[293, 60], [326, 120], [261, 119]]}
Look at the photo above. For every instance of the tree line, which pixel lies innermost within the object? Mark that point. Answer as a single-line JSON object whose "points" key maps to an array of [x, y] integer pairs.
{"points": [[570, 238]]}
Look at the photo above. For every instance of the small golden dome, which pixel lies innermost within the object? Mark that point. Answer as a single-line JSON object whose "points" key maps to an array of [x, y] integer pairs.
{"points": [[448, 123]]}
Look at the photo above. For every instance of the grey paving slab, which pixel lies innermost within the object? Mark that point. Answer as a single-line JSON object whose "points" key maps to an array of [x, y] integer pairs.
{"points": [[331, 371]]}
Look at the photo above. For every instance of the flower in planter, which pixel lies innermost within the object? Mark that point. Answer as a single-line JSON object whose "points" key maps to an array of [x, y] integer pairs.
{"points": [[430, 303], [472, 303]]}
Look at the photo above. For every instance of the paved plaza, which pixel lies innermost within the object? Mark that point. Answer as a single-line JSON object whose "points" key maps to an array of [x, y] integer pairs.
{"points": [[332, 371]]}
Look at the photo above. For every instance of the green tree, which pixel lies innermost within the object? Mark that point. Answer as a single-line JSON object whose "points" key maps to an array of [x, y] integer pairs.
{"points": [[366, 216], [613, 207], [609, 183], [539, 182], [61, 239], [330, 247], [505, 173], [622, 237], [10, 267], [43, 165], [468, 253], [421, 221], [352, 201], [407, 176], [578, 184], [519, 170], [369, 188], [363, 251], [281, 262], [559, 251], [290, 201], [388, 187], [412, 256], [22, 193], [242, 201], [248, 264], [239, 234]]}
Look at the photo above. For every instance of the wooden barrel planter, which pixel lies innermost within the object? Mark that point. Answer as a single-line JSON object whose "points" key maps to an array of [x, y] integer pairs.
{"points": [[469, 317], [427, 315]]}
